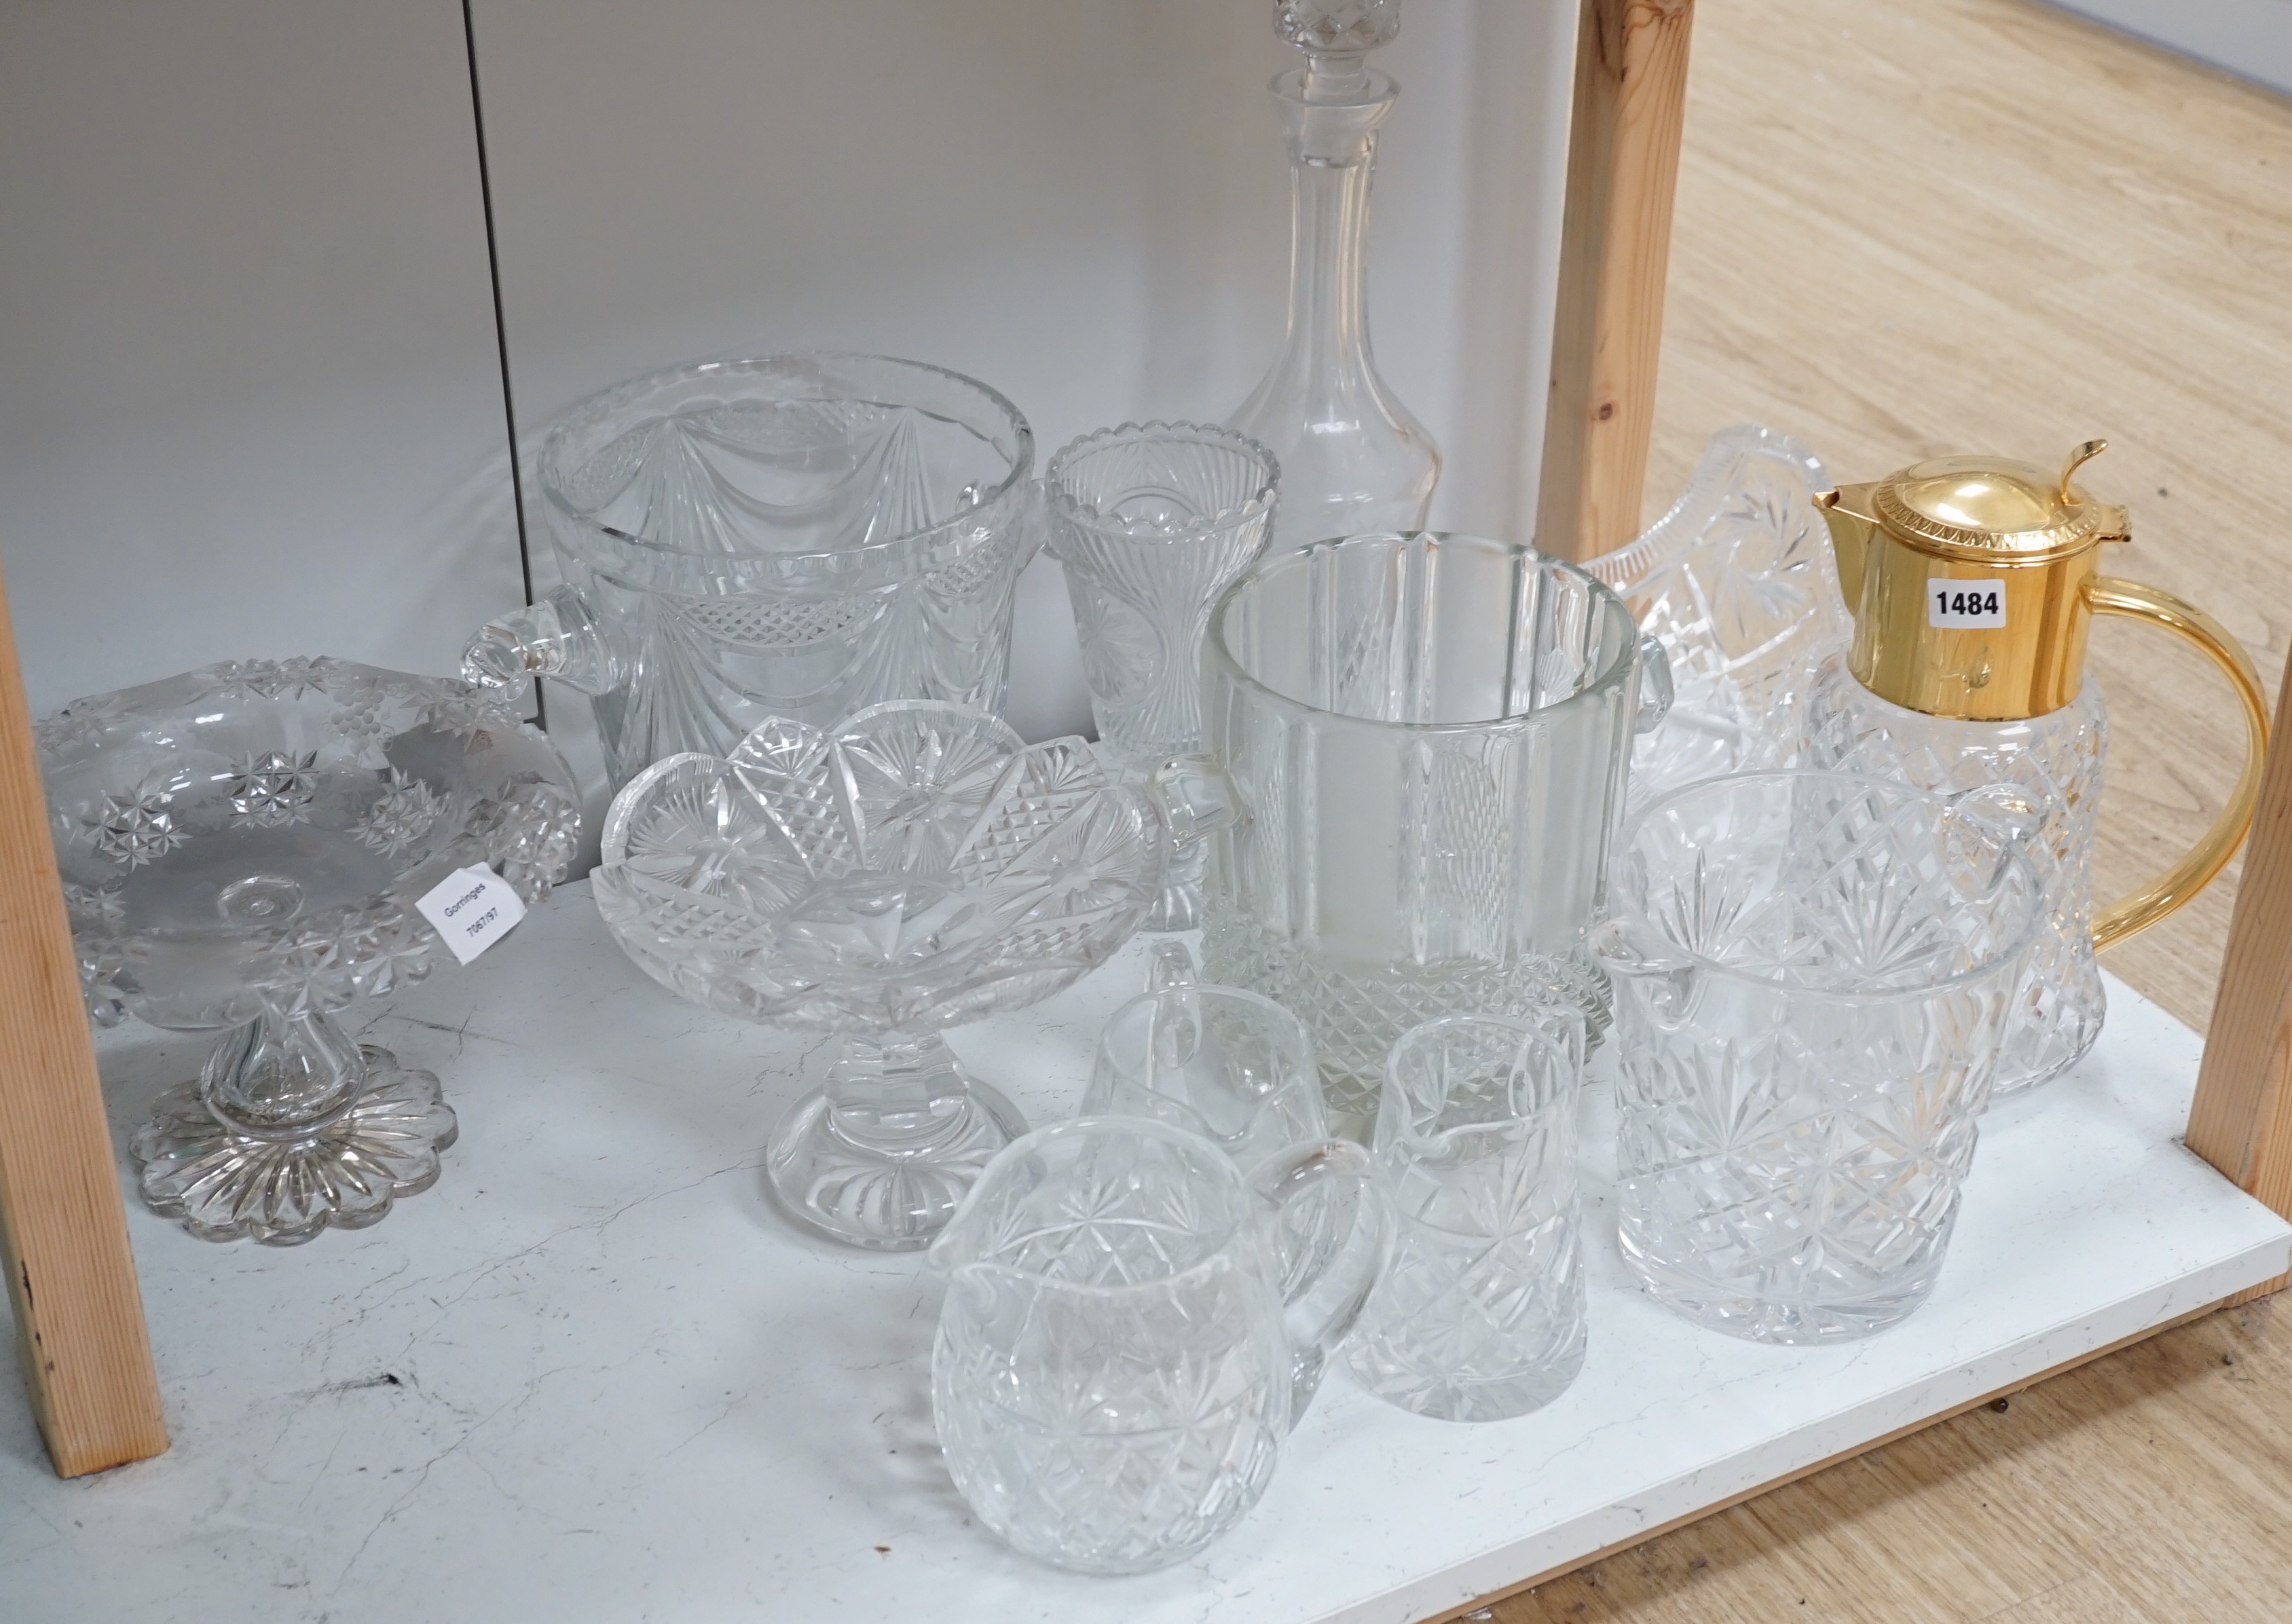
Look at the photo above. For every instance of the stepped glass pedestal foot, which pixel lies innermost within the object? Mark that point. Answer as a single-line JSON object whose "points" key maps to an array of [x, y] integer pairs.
{"points": [[882, 1155], [242, 848], [916, 868]]}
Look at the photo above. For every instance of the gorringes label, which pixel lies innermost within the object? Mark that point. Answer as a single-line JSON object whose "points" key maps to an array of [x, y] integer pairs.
{"points": [[473, 908], [1965, 606]]}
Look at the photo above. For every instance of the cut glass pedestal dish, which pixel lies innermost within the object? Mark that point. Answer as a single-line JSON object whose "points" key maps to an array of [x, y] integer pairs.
{"points": [[917, 867], [242, 847]]}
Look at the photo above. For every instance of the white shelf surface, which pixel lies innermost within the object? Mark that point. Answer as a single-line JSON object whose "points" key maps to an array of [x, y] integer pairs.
{"points": [[593, 1376]]}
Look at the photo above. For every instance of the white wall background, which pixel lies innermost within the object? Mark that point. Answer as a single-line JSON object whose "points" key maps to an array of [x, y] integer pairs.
{"points": [[250, 398], [2250, 38], [1083, 203], [250, 392]]}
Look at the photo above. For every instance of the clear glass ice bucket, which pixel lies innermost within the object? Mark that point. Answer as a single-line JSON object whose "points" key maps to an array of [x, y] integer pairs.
{"points": [[1813, 974], [1426, 739], [1116, 1362], [799, 536], [1480, 1315]]}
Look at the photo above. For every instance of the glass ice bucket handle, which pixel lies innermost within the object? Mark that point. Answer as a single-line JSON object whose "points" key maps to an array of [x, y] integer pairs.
{"points": [[557, 637], [1656, 689], [2142, 908]]}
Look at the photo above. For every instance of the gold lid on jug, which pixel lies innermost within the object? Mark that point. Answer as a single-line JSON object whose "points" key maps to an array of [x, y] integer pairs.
{"points": [[1970, 579]]}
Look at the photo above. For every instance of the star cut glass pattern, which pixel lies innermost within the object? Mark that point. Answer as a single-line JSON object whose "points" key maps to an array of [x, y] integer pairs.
{"points": [[1112, 1374], [1737, 582], [917, 867], [2057, 761], [794, 536], [1814, 973], [241, 847], [1480, 1315], [135, 830], [276, 788], [401, 815]]}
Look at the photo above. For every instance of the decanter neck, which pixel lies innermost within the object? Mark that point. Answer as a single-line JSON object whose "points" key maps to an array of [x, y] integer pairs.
{"points": [[1331, 154]]}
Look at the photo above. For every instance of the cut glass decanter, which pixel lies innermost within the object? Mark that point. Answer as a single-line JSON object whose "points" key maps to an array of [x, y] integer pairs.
{"points": [[1353, 458], [242, 847]]}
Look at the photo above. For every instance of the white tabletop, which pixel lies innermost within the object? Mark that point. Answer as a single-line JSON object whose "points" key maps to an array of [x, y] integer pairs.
{"points": [[592, 1375]]}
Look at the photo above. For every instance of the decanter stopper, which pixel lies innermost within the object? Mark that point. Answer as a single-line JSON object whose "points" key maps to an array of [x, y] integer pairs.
{"points": [[1353, 458], [1336, 36]]}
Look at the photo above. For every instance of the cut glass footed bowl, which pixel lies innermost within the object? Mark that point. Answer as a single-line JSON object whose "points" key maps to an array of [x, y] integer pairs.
{"points": [[914, 869], [242, 847]]}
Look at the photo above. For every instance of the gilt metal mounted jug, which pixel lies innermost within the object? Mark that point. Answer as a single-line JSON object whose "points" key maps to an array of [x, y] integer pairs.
{"points": [[1972, 581]]}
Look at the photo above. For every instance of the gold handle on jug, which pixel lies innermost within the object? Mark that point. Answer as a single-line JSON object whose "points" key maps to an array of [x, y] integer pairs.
{"points": [[2139, 909]]}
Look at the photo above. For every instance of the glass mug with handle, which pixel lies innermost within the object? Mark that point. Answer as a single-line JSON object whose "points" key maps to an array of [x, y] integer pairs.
{"points": [[1426, 739], [1222, 1062], [1117, 1361]]}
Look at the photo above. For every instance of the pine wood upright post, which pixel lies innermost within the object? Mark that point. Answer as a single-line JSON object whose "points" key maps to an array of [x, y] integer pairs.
{"points": [[1615, 250], [63, 1234], [2241, 1121]]}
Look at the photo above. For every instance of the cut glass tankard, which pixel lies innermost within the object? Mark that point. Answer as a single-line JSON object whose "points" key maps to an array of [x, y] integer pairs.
{"points": [[1814, 973], [1221, 1061], [799, 536], [1118, 1359], [1972, 581], [1480, 1315], [1427, 740]]}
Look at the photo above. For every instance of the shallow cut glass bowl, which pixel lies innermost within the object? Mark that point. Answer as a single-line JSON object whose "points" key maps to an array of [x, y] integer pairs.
{"points": [[241, 849]]}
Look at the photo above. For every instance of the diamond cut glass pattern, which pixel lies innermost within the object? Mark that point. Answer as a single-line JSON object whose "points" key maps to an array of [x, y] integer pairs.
{"points": [[241, 848], [799, 536], [1813, 976], [1113, 1375], [2057, 761], [914, 868], [1427, 739]]}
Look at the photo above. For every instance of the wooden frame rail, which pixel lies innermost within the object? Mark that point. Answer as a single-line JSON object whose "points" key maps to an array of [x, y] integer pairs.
{"points": [[63, 1232], [1615, 252], [2241, 1121]]}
